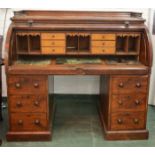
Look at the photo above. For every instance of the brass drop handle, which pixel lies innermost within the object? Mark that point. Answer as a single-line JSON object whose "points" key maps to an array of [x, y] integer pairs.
{"points": [[36, 103], [120, 102], [36, 122], [121, 84], [19, 104], [138, 85], [36, 84], [119, 121], [20, 122], [18, 85], [137, 102], [136, 121]]}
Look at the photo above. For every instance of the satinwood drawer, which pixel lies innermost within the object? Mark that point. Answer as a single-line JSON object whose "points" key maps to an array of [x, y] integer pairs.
{"points": [[103, 50], [53, 50], [28, 122], [27, 84], [132, 102], [28, 103], [127, 120], [53, 36], [103, 36], [103, 43], [52, 43], [129, 84]]}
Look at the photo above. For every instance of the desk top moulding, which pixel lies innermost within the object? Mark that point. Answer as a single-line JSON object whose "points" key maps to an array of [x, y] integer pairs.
{"points": [[114, 45]]}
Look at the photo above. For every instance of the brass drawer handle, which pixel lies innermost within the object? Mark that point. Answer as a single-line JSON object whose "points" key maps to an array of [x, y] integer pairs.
{"points": [[37, 122], [19, 104], [121, 85], [138, 85], [120, 102], [18, 85], [20, 122], [136, 121], [36, 103], [36, 85], [119, 121], [137, 102]]}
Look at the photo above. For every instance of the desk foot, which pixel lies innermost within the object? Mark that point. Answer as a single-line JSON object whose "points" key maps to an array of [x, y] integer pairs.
{"points": [[29, 136], [122, 135]]}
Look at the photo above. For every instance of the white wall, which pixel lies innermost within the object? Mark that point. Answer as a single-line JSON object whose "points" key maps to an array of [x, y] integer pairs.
{"points": [[78, 84]]}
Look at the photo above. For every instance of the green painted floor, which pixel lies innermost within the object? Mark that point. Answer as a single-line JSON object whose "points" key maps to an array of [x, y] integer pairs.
{"points": [[77, 124]]}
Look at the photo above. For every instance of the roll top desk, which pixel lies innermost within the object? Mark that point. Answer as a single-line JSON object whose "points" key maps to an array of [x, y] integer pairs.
{"points": [[114, 45]]}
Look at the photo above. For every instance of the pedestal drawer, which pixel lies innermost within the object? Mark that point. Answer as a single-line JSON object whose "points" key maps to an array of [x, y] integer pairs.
{"points": [[28, 122], [28, 103], [125, 102], [129, 84], [27, 84], [128, 120]]}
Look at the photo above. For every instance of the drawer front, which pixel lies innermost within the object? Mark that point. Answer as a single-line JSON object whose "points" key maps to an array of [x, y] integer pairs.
{"points": [[53, 50], [104, 43], [53, 36], [28, 122], [128, 121], [126, 102], [123, 85], [50, 43], [28, 103], [103, 36], [27, 84], [103, 50]]}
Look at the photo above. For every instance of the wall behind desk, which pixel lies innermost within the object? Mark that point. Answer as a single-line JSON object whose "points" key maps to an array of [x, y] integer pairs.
{"points": [[76, 84]]}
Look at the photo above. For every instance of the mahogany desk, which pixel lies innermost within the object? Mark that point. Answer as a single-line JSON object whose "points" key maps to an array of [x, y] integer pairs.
{"points": [[114, 45]]}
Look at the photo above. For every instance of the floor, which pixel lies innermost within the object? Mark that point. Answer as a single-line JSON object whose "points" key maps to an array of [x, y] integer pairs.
{"points": [[77, 124]]}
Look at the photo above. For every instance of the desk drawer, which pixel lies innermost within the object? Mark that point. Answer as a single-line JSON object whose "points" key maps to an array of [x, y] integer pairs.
{"points": [[104, 43], [53, 50], [28, 122], [129, 84], [27, 84], [128, 121], [126, 102], [53, 36], [103, 50], [103, 36], [28, 103], [52, 43]]}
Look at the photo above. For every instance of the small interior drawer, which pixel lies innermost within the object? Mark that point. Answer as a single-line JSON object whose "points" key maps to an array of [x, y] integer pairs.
{"points": [[103, 36], [103, 43], [103, 50], [53, 50], [52, 43], [52, 36]]}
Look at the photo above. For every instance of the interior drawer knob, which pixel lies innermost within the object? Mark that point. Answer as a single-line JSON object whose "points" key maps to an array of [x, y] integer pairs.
{"points": [[136, 121], [18, 85], [120, 102], [37, 122], [53, 50], [137, 102], [36, 103], [20, 122], [138, 85], [53, 43], [121, 85], [19, 104], [53, 36], [119, 121], [36, 85]]}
